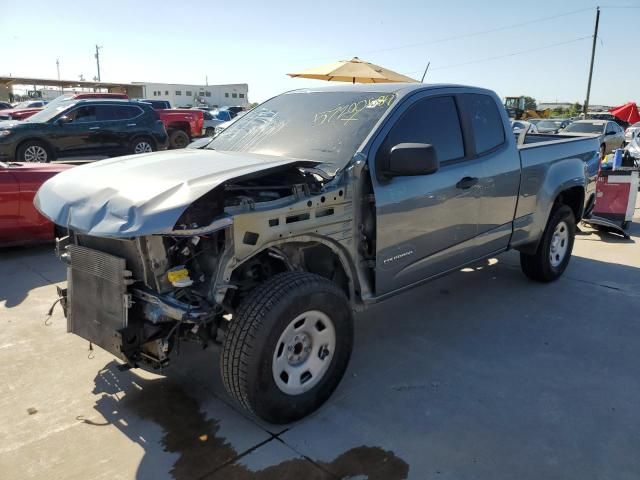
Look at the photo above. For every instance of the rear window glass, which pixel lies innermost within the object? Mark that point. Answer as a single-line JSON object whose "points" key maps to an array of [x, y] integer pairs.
{"points": [[486, 122]]}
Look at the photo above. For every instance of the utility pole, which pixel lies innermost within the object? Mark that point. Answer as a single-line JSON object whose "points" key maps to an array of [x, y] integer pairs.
{"points": [[593, 55], [58, 69], [98, 60]]}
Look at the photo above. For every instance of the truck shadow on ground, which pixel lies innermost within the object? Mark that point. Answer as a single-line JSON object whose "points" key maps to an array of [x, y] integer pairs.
{"points": [[202, 452], [25, 269]]}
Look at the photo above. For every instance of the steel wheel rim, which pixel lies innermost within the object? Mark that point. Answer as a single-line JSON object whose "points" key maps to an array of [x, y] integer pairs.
{"points": [[35, 153], [143, 147], [304, 352], [559, 244]]}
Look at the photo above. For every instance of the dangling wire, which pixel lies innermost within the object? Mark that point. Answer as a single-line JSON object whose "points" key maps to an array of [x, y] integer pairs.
{"points": [[47, 320]]}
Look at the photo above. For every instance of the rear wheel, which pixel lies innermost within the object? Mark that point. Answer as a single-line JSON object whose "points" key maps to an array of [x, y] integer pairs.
{"points": [[178, 139], [554, 251], [141, 145], [288, 346], [210, 131], [34, 151]]}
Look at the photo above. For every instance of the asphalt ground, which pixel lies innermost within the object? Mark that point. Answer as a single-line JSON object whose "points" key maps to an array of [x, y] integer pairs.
{"points": [[479, 375]]}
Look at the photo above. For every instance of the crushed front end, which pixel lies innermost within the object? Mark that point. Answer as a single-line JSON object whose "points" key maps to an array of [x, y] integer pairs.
{"points": [[138, 298]]}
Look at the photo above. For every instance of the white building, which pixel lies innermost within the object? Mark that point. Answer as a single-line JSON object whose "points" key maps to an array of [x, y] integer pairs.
{"points": [[192, 95]]}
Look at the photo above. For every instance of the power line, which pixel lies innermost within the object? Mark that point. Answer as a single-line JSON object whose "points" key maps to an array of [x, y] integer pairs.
{"points": [[506, 55], [467, 35]]}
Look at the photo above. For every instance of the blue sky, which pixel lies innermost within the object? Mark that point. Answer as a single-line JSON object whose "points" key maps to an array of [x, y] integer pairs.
{"points": [[258, 42]]}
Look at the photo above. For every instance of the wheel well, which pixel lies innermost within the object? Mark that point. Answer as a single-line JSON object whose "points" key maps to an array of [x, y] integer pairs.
{"points": [[310, 257], [184, 126], [573, 198], [35, 139], [146, 137]]}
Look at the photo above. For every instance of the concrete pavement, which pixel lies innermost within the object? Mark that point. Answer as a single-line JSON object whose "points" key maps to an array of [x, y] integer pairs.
{"points": [[479, 375]]}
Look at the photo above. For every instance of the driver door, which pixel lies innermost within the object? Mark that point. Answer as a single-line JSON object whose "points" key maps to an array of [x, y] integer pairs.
{"points": [[73, 137], [426, 224]]}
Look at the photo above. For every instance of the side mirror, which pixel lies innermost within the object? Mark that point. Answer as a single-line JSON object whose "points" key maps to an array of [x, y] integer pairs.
{"points": [[409, 159], [62, 120]]}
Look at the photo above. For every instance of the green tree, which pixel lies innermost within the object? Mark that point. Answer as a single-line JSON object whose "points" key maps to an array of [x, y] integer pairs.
{"points": [[530, 103]]}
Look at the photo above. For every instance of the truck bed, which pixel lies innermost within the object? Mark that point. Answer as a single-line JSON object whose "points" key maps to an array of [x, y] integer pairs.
{"points": [[544, 159]]}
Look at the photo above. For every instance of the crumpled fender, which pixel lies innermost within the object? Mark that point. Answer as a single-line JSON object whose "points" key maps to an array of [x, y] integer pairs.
{"points": [[142, 194]]}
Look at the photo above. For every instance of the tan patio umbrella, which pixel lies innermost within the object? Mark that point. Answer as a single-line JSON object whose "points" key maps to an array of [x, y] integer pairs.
{"points": [[354, 70]]}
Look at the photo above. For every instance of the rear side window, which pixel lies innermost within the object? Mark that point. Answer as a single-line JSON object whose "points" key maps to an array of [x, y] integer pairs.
{"points": [[486, 122], [434, 121], [117, 112]]}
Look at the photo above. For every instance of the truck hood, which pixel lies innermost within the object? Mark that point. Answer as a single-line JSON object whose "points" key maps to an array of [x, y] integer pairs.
{"points": [[143, 194]]}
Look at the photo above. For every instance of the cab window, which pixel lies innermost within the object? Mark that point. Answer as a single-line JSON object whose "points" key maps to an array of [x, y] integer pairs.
{"points": [[432, 121]]}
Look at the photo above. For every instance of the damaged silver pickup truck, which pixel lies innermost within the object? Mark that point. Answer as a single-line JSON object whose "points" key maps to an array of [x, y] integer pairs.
{"points": [[317, 203]]}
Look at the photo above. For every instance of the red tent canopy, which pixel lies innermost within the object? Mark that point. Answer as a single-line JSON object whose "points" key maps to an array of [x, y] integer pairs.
{"points": [[627, 112]]}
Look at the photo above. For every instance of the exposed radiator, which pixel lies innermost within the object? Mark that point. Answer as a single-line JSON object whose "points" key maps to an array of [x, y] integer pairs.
{"points": [[98, 302]]}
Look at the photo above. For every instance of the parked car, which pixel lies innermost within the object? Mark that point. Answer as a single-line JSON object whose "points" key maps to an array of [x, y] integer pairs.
{"points": [[157, 104], [607, 116], [609, 133], [83, 127], [224, 125], [630, 132], [23, 113], [318, 202], [519, 125], [20, 222], [5, 105], [22, 110], [551, 126], [632, 149]]}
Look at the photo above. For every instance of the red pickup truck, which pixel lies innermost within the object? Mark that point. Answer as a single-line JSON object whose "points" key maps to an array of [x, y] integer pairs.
{"points": [[182, 125]]}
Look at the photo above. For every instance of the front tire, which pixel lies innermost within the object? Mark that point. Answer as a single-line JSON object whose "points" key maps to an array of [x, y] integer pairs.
{"points": [[141, 145], [554, 251], [34, 151], [288, 346]]}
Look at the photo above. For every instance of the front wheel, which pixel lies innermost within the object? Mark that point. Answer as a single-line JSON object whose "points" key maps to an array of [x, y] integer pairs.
{"points": [[288, 346], [34, 151], [141, 145], [554, 251]]}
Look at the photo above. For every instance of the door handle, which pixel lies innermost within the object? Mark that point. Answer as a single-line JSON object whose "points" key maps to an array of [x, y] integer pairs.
{"points": [[94, 128], [131, 124], [467, 182]]}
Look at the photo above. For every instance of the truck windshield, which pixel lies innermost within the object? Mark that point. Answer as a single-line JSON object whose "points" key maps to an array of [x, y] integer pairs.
{"points": [[587, 127], [324, 126]]}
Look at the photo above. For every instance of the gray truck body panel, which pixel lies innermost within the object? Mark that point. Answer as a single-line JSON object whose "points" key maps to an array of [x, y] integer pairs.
{"points": [[425, 225]]}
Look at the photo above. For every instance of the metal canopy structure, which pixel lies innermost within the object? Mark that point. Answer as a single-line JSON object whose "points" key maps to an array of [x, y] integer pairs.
{"points": [[46, 82]]}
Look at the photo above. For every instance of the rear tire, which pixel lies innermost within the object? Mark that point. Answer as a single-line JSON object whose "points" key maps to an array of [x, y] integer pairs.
{"points": [[142, 145], [554, 251], [288, 346], [210, 131], [34, 151], [178, 139]]}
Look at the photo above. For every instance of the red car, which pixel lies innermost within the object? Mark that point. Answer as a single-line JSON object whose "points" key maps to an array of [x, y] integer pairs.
{"points": [[20, 222], [20, 113]]}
